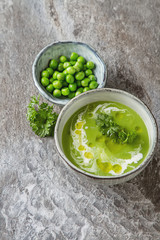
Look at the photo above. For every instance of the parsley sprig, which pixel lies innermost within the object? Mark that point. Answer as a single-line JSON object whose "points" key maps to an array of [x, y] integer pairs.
{"points": [[42, 119], [108, 127]]}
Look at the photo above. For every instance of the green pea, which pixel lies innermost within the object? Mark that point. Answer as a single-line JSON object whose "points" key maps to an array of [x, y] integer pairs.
{"points": [[66, 65], [71, 70], [61, 76], [50, 88], [92, 77], [88, 72], [85, 82], [50, 71], [65, 72], [65, 91], [77, 69], [57, 84], [63, 59], [86, 89], [57, 93], [78, 83], [55, 75], [84, 67], [60, 67], [77, 93], [45, 73], [51, 80], [81, 59], [69, 78], [90, 65], [64, 84], [93, 85], [45, 81], [73, 56], [78, 66], [80, 89], [72, 62], [71, 95], [79, 76], [53, 64], [72, 87]]}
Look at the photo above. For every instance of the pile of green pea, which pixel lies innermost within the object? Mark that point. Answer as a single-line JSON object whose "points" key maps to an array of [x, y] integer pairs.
{"points": [[69, 77]]}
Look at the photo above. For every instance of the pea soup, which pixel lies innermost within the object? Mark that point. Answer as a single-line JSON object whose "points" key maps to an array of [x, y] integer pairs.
{"points": [[105, 139]]}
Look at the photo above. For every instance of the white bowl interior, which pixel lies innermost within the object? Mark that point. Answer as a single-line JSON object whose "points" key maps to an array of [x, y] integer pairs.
{"points": [[66, 48], [109, 95]]}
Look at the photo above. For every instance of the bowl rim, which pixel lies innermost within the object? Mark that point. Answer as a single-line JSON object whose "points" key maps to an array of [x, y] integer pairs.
{"points": [[60, 101], [92, 176]]}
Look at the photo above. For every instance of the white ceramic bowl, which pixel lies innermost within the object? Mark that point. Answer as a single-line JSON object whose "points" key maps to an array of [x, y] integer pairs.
{"points": [[107, 94], [55, 50]]}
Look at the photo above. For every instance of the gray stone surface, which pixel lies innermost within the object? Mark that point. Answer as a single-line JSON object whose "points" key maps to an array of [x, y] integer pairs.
{"points": [[39, 198]]}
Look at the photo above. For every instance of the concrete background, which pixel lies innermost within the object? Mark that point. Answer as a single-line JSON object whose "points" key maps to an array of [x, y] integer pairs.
{"points": [[39, 198]]}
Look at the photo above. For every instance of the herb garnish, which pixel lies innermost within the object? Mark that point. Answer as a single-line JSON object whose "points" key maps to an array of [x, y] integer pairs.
{"points": [[42, 119], [111, 129]]}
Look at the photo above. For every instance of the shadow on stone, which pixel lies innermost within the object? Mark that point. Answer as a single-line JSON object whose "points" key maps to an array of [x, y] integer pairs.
{"points": [[126, 80]]}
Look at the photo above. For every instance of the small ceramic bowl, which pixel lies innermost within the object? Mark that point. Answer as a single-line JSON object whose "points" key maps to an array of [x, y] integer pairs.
{"points": [[114, 95], [55, 50]]}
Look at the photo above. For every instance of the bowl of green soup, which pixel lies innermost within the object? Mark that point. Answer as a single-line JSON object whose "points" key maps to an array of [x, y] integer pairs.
{"points": [[106, 136]]}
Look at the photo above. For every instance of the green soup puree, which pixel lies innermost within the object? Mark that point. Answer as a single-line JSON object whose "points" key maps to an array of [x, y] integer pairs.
{"points": [[92, 151]]}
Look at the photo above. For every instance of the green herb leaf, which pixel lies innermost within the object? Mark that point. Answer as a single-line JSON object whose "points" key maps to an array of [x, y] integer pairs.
{"points": [[42, 119], [108, 127]]}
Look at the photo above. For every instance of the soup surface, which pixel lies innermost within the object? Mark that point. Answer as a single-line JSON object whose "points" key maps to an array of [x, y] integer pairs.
{"points": [[87, 147]]}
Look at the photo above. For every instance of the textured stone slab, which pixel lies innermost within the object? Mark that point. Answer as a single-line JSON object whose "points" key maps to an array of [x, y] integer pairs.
{"points": [[39, 198]]}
